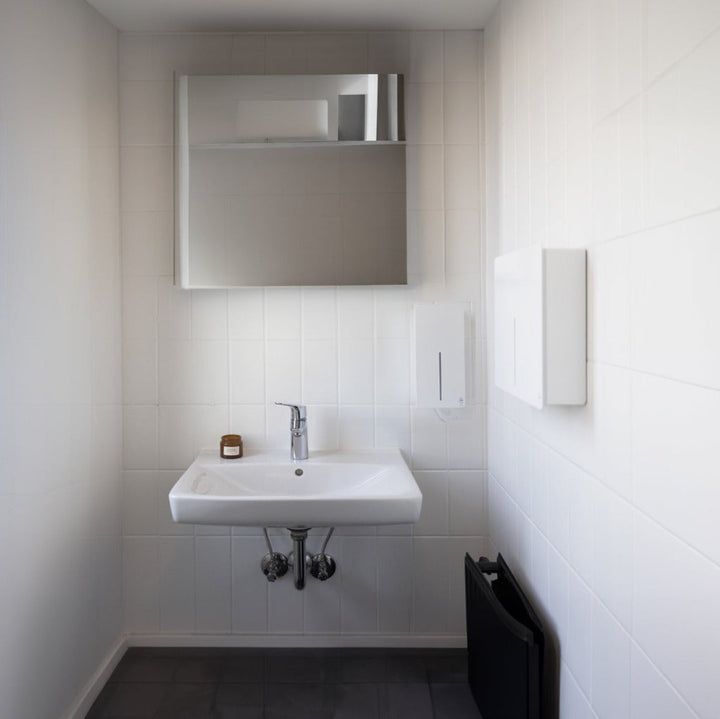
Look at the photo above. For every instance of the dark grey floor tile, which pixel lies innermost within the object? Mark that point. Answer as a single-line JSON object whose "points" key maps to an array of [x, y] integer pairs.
{"points": [[447, 668], [295, 668], [187, 701], [142, 668], [166, 652], [298, 701], [205, 652], [239, 713], [407, 701], [357, 669], [405, 668], [243, 669], [239, 701], [453, 701], [149, 651], [129, 701], [344, 683], [194, 670], [356, 652], [97, 709], [357, 701], [239, 695]]}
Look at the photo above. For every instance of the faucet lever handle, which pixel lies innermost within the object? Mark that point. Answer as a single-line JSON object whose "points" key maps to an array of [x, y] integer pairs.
{"points": [[298, 413]]}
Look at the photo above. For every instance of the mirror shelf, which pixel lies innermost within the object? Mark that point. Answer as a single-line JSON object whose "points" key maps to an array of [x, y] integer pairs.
{"points": [[281, 143]]}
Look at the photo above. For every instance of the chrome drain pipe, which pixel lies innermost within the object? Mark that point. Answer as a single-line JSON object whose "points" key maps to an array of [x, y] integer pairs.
{"points": [[299, 559]]}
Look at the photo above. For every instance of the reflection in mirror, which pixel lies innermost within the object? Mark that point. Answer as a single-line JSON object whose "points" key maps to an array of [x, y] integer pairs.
{"points": [[290, 180]]}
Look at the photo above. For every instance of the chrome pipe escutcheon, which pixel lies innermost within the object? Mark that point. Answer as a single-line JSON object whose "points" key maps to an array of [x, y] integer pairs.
{"points": [[274, 565], [322, 566]]}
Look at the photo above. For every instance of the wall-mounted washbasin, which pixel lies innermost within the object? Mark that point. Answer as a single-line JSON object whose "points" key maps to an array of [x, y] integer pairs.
{"points": [[270, 490]]}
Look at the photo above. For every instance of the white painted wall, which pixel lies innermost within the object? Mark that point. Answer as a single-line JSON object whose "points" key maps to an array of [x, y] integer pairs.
{"points": [[60, 374], [602, 125], [198, 364]]}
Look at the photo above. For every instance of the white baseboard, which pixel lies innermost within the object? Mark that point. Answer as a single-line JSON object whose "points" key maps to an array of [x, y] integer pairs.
{"points": [[89, 693], [417, 641]]}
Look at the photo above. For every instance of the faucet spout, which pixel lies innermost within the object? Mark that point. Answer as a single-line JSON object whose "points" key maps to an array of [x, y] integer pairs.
{"points": [[298, 430]]}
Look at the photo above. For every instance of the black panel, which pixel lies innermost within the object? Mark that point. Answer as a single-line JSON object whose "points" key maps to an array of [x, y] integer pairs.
{"points": [[505, 643]]}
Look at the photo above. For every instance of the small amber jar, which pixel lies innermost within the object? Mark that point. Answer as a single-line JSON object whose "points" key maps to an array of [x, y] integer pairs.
{"points": [[231, 446]]}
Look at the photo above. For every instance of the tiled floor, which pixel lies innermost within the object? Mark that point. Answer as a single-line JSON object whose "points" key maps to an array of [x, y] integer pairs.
{"points": [[288, 683]]}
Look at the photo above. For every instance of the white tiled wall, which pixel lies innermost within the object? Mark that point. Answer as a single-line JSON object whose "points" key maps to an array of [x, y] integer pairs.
{"points": [[61, 610], [601, 131], [200, 363]]}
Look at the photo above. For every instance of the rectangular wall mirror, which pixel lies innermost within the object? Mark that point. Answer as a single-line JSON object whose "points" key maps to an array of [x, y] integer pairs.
{"points": [[290, 180]]}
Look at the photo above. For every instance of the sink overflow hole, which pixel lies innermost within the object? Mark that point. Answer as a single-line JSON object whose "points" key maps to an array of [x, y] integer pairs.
{"points": [[299, 472]]}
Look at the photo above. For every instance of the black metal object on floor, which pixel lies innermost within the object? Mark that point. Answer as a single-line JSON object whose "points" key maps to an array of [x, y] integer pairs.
{"points": [[505, 643]]}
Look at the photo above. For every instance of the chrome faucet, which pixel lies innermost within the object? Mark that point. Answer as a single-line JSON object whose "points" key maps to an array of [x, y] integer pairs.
{"points": [[298, 430]]}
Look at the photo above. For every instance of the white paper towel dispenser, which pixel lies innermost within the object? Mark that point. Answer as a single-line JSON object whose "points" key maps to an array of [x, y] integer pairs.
{"points": [[440, 355]]}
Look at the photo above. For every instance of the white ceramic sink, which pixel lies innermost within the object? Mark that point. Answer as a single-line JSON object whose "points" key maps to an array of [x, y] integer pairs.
{"points": [[270, 490]]}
